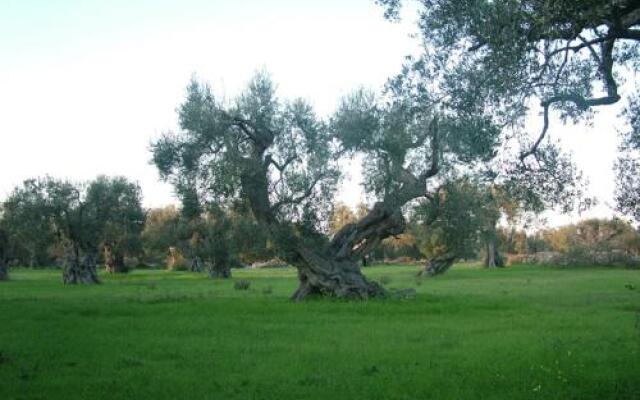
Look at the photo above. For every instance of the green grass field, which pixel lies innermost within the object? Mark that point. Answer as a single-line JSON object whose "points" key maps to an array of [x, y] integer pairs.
{"points": [[521, 332]]}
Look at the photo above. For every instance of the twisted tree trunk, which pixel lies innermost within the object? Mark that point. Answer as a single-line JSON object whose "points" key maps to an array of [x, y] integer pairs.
{"points": [[79, 269], [438, 265], [320, 275], [331, 269]]}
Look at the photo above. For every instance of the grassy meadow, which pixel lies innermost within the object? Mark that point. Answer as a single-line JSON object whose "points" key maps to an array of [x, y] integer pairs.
{"points": [[517, 333]]}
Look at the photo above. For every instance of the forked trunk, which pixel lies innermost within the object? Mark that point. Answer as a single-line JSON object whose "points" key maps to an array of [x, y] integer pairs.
{"points": [[438, 265], [79, 269], [493, 259]]}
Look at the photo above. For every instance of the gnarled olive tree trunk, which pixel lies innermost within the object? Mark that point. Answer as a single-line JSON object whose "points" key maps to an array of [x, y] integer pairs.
{"points": [[330, 269], [79, 268], [321, 274], [438, 265]]}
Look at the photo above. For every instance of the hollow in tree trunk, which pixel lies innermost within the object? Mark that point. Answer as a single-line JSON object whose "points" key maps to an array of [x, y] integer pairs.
{"points": [[438, 265], [79, 269], [493, 259]]}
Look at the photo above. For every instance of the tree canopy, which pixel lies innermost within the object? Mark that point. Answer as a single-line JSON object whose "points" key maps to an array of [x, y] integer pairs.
{"points": [[561, 58]]}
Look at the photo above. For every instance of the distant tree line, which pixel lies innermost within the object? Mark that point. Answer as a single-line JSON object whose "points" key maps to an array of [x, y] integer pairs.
{"points": [[78, 226]]}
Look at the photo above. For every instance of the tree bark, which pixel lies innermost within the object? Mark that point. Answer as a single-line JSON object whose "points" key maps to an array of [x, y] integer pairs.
{"points": [[493, 259], [322, 275], [79, 269], [438, 265]]}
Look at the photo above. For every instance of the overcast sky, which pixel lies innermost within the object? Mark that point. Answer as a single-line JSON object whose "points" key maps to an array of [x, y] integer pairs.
{"points": [[86, 85]]}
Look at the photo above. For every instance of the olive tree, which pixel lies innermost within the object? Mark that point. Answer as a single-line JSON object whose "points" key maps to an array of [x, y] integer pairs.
{"points": [[116, 205], [448, 225], [79, 217], [28, 227], [160, 233], [63, 205], [282, 160]]}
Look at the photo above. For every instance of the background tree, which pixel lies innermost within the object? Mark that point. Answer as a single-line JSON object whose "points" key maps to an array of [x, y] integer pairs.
{"points": [[250, 243], [448, 225], [341, 215], [217, 248], [160, 233], [281, 159], [506, 55], [74, 224], [28, 225], [116, 204]]}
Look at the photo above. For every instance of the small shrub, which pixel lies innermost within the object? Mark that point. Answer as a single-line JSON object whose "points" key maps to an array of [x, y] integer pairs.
{"points": [[267, 291], [242, 284], [385, 280]]}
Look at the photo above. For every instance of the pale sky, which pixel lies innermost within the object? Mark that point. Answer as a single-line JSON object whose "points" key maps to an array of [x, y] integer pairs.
{"points": [[86, 85]]}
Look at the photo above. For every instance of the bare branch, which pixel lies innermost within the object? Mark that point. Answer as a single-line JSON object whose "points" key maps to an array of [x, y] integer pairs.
{"points": [[299, 199]]}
